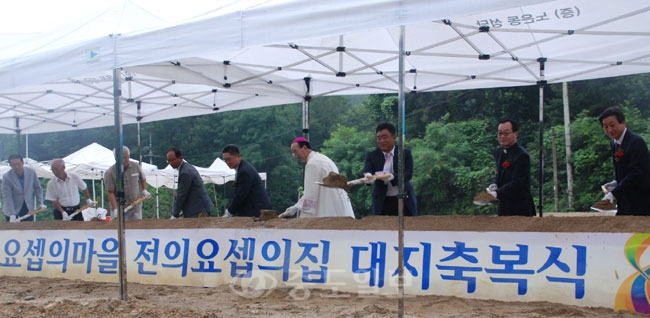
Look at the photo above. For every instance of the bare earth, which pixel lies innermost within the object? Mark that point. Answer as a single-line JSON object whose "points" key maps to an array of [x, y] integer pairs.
{"points": [[42, 297]]}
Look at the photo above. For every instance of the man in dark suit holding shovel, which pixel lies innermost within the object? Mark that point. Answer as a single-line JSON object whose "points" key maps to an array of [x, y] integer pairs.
{"points": [[191, 197], [631, 160], [512, 186], [384, 159]]}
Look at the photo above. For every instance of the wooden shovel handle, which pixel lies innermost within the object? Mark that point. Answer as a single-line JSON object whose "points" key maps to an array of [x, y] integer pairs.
{"points": [[376, 177], [381, 177], [31, 213], [136, 202], [77, 211]]}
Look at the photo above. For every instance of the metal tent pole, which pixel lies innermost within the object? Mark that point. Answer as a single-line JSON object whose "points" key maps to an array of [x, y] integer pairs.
{"points": [[102, 192], [138, 118], [119, 185], [214, 191], [541, 83], [157, 201], [400, 162], [305, 109]]}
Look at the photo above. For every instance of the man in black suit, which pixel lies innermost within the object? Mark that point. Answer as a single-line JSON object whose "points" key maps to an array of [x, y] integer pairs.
{"points": [[385, 159], [250, 194], [191, 197], [512, 186], [631, 160]]}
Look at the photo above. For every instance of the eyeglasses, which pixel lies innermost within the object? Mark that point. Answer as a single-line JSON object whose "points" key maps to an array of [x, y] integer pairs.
{"points": [[171, 160], [504, 133]]}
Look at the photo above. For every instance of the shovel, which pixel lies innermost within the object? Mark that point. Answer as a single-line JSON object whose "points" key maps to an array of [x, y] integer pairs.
{"points": [[604, 205], [30, 214], [335, 180], [77, 211], [136, 202], [484, 198]]}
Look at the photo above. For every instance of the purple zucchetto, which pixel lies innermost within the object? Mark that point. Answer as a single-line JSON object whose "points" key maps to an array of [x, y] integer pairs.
{"points": [[299, 139]]}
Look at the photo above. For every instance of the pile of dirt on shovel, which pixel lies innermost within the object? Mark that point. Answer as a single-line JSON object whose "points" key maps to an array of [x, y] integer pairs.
{"points": [[485, 198], [604, 205], [336, 180]]}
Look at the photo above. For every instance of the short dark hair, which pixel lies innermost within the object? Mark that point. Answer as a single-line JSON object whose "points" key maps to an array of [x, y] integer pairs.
{"points": [[612, 111], [15, 156], [303, 144], [388, 126], [515, 126], [177, 152], [233, 150]]}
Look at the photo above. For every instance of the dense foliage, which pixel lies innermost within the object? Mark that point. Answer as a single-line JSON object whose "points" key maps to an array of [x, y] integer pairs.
{"points": [[451, 134]]}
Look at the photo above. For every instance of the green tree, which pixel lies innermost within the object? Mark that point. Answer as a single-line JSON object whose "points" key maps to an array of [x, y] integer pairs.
{"points": [[347, 147], [453, 161]]}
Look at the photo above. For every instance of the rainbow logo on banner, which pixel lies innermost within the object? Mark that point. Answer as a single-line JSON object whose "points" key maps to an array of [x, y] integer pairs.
{"points": [[633, 294]]}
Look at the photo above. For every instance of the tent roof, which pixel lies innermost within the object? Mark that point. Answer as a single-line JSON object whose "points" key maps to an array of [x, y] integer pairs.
{"points": [[35, 31], [217, 173], [93, 156], [221, 173], [283, 53], [91, 162]]}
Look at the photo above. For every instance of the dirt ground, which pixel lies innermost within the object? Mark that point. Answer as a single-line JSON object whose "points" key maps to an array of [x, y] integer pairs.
{"points": [[42, 297]]}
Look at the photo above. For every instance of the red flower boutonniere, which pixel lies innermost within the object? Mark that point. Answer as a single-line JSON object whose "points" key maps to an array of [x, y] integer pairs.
{"points": [[506, 164], [618, 155]]}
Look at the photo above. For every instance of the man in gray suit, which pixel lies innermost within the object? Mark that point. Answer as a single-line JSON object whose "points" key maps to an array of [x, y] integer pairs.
{"points": [[191, 197], [19, 188]]}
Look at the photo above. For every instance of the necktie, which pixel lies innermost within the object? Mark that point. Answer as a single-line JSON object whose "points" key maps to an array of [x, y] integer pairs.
{"points": [[615, 146], [388, 164]]}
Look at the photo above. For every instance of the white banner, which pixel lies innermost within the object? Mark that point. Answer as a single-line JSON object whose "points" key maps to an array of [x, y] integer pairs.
{"points": [[583, 269]]}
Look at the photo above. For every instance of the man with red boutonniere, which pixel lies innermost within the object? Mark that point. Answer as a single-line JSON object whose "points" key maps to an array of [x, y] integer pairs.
{"points": [[512, 187], [631, 159]]}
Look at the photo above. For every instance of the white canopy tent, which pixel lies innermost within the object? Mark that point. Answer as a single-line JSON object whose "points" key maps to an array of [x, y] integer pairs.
{"points": [[38, 26], [264, 53], [291, 51], [263, 56], [91, 163], [277, 52], [217, 173], [220, 166]]}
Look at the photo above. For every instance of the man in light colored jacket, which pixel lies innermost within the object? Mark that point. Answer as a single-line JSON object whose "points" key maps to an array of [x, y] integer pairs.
{"points": [[21, 191]]}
